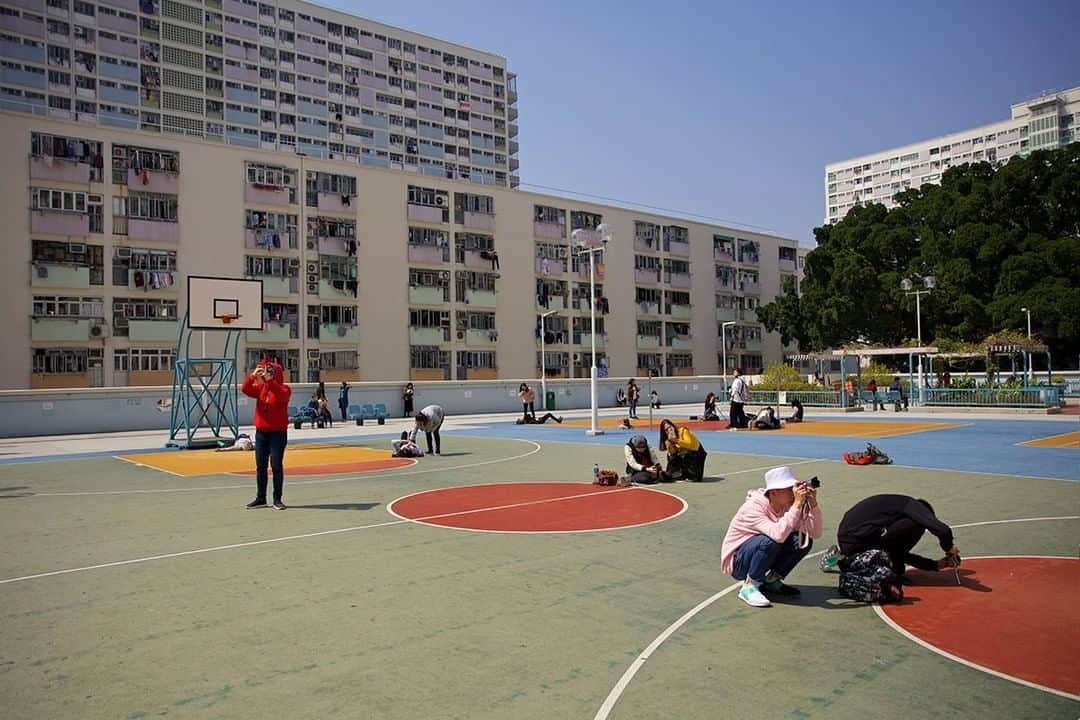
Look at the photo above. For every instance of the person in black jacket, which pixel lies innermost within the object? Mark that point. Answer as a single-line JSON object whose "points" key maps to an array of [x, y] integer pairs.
{"points": [[895, 524]]}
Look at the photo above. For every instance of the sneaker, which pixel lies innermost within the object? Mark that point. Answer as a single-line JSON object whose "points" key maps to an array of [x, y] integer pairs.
{"points": [[256, 503], [830, 562], [753, 597], [778, 587], [558, 420], [278, 505]]}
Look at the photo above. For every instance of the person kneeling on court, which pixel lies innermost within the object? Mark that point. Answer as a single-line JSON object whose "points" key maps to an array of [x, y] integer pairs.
{"points": [[406, 448], [686, 456], [769, 535], [641, 464], [430, 419], [266, 384], [895, 524]]}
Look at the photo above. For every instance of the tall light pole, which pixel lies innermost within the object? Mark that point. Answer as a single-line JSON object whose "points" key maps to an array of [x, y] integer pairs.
{"points": [[1030, 374], [586, 244], [906, 285], [723, 349], [543, 361]]}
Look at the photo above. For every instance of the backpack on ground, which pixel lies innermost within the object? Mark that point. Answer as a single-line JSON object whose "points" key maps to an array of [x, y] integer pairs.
{"points": [[872, 456], [869, 577], [609, 477]]}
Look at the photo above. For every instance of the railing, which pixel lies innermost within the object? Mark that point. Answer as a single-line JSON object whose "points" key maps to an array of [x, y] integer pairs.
{"points": [[1037, 397]]}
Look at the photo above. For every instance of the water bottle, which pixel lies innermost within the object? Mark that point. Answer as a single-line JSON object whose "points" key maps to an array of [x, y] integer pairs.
{"points": [[595, 473]]}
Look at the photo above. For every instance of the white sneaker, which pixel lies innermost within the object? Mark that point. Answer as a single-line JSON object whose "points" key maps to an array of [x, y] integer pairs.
{"points": [[753, 597]]}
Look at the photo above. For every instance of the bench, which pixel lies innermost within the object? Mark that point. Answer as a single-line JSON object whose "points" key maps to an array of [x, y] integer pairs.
{"points": [[369, 412]]}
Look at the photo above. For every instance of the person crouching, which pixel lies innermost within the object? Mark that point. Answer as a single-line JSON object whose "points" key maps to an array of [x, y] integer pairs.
{"points": [[762, 545], [641, 463]]}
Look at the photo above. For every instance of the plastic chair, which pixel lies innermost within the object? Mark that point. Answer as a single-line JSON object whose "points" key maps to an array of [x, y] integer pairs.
{"points": [[354, 413], [380, 413]]}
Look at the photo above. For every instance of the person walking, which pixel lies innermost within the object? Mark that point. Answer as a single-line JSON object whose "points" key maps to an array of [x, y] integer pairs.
{"points": [[740, 395], [343, 400], [632, 395], [266, 384], [430, 419], [407, 399]]}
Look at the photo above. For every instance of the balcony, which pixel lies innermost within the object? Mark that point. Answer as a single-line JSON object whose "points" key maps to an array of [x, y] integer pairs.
{"points": [[679, 249], [680, 342], [278, 287], [646, 276], [750, 345], [336, 203], [339, 333], [679, 280], [45, 381], [153, 330], [272, 332], [680, 312], [156, 181], [59, 169], [482, 374], [644, 245], [55, 275], [233, 7], [727, 314], [52, 329], [585, 340], [750, 286], [682, 372], [481, 337], [427, 295], [142, 280], [648, 308], [473, 259], [479, 221], [55, 222], [425, 213], [648, 342], [428, 335], [724, 283], [550, 231], [432, 254], [267, 194], [787, 265], [327, 290], [555, 302], [481, 298], [153, 230], [554, 267], [723, 255]]}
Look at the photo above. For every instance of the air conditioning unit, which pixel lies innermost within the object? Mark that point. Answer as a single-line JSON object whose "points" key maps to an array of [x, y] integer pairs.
{"points": [[312, 245], [460, 334], [440, 200], [313, 288], [294, 262], [444, 275], [342, 330], [313, 278], [77, 248], [123, 253], [313, 354], [99, 330], [42, 271], [313, 268]]}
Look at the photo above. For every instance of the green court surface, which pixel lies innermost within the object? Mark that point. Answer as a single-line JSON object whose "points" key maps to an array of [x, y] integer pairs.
{"points": [[130, 593]]}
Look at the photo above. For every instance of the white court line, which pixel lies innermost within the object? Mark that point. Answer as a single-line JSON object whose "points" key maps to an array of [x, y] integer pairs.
{"points": [[639, 661], [956, 658], [145, 466], [345, 478]]}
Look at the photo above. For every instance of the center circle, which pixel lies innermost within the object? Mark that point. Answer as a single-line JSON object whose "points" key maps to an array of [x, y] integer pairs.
{"points": [[551, 507]]}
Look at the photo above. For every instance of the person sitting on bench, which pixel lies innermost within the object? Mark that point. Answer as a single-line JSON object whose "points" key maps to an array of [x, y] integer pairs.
{"points": [[686, 456], [641, 464], [533, 420]]}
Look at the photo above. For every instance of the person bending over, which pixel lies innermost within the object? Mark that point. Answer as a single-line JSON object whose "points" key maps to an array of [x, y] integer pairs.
{"points": [[772, 531], [405, 447], [430, 419], [796, 411], [766, 419], [641, 463], [686, 456], [533, 420], [895, 524]]}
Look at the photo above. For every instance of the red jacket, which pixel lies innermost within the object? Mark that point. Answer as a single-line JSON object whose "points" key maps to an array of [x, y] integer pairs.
{"points": [[271, 400]]}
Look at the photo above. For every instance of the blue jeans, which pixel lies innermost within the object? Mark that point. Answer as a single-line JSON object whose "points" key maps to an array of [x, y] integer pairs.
{"points": [[270, 449], [760, 554], [633, 409]]}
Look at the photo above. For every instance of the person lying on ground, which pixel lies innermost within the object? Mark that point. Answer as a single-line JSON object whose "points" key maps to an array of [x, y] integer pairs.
{"points": [[769, 535], [242, 442], [533, 420], [405, 447], [641, 463], [686, 456], [895, 524]]}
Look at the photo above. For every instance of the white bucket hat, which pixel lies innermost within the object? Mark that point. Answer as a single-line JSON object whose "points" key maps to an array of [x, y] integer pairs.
{"points": [[780, 478]]}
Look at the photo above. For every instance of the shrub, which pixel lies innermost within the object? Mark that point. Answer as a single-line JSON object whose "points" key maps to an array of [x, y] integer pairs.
{"points": [[786, 376]]}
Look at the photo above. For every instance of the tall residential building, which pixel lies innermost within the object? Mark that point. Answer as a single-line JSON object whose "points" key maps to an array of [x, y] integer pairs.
{"points": [[368, 273], [1042, 123], [284, 75]]}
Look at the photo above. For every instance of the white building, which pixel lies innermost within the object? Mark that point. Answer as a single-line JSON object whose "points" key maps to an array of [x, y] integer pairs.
{"points": [[1042, 123]]}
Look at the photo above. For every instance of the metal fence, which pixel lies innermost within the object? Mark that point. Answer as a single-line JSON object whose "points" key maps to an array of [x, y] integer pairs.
{"points": [[1031, 397]]}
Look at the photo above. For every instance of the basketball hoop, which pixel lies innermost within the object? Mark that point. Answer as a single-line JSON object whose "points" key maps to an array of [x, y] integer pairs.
{"points": [[227, 319]]}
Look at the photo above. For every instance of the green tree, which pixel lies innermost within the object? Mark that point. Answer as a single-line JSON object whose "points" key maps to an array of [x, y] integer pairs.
{"points": [[996, 240]]}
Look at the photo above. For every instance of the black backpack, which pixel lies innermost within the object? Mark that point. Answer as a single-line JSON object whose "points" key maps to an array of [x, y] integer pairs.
{"points": [[869, 577]]}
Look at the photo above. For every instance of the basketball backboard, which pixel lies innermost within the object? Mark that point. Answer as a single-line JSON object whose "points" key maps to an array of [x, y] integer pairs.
{"points": [[217, 303]]}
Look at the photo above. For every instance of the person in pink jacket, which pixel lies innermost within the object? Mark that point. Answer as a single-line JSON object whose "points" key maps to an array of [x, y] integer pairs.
{"points": [[769, 535]]}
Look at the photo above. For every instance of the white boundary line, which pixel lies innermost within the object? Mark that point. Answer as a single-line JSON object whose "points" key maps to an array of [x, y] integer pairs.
{"points": [[345, 478], [956, 658], [421, 521], [624, 681]]}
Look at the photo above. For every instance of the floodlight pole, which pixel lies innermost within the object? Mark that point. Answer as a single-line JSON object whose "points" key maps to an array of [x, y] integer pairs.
{"points": [[593, 430], [543, 362], [723, 350]]}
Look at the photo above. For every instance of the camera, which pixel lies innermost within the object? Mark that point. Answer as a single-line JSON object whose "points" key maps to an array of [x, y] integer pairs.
{"points": [[814, 482]]}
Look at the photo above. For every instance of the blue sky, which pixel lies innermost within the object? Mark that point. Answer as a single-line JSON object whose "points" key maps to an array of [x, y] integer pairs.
{"points": [[732, 110]]}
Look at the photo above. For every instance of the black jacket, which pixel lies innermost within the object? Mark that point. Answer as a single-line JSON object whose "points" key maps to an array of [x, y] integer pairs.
{"points": [[864, 525]]}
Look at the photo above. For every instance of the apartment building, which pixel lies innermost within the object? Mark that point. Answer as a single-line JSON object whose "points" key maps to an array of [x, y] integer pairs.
{"points": [[1045, 122], [368, 273], [284, 76]]}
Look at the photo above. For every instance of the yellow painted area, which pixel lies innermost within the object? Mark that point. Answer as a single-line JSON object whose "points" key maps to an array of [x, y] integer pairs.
{"points": [[612, 423], [1069, 440], [189, 463], [827, 428]]}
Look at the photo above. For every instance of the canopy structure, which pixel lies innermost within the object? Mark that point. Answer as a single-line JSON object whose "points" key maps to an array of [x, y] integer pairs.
{"points": [[913, 353]]}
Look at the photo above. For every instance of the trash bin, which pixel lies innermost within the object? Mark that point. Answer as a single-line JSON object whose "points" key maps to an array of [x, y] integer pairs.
{"points": [[549, 401]]}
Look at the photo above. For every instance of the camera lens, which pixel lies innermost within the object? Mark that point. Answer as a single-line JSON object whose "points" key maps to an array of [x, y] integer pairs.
{"points": [[814, 482]]}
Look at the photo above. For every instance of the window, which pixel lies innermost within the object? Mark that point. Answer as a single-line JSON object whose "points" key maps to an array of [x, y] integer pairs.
{"points": [[337, 314], [647, 233], [152, 206], [471, 359], [270, 176], [474, 242], [320, 182], [279, 267], [431, 319], [428, 196], [427, 236], [127, 309], [67, 307], [143, 359], [580, 220], [674, 233], [425, 357], [62, 360], [467, 202], [58, 200]]}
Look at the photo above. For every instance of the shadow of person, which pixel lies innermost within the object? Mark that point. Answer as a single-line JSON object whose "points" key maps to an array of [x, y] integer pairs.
{"points": [[822, 596], [454, 454], [13, 492], [712, 479], [945, 578], [335, 506]]}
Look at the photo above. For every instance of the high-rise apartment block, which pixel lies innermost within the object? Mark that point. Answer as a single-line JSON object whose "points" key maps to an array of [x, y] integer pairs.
{"points": [[1042, 123], [364, 174]]}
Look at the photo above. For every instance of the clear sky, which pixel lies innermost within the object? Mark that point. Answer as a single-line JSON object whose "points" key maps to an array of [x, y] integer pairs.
{"points": [[732, 109]]}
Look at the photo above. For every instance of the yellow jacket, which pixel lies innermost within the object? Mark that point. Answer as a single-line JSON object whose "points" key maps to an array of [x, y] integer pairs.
{"points": [[686, 442]]}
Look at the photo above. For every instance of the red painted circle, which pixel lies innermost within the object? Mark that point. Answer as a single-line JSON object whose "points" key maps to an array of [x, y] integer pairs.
{"points": [[538, 507], [346, 467], [1019, 616]]}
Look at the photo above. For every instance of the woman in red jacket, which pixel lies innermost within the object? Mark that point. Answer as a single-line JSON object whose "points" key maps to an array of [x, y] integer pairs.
{"points": [[267, 385]]}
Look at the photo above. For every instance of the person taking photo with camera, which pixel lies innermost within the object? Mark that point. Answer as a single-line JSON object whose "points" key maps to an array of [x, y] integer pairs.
{"points": [[895, 524], [266, 384], [770, 534]]}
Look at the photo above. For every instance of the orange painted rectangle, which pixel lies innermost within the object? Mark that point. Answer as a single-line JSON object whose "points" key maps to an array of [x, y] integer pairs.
{"points": [[191, 463], [1069, 440]]}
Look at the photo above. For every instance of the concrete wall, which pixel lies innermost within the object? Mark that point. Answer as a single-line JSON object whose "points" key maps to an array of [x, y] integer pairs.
{"points": [[25, 413]]}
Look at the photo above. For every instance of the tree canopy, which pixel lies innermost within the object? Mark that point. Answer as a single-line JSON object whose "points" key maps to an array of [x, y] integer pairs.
{"points": [[996, 240]]}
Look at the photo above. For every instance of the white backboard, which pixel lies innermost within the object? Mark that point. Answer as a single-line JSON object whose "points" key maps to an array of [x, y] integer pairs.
{"points": [[210, 299]]}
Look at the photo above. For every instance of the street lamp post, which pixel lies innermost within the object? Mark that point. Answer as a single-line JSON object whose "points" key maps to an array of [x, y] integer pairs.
{"points": [[906, 285], [1030, 374], [543, 361], [581, 240], [723, 349]]}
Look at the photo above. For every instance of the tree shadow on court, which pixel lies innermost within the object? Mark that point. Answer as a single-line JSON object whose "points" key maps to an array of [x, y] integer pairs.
{"points": [[13, 492], [336, 506]]}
